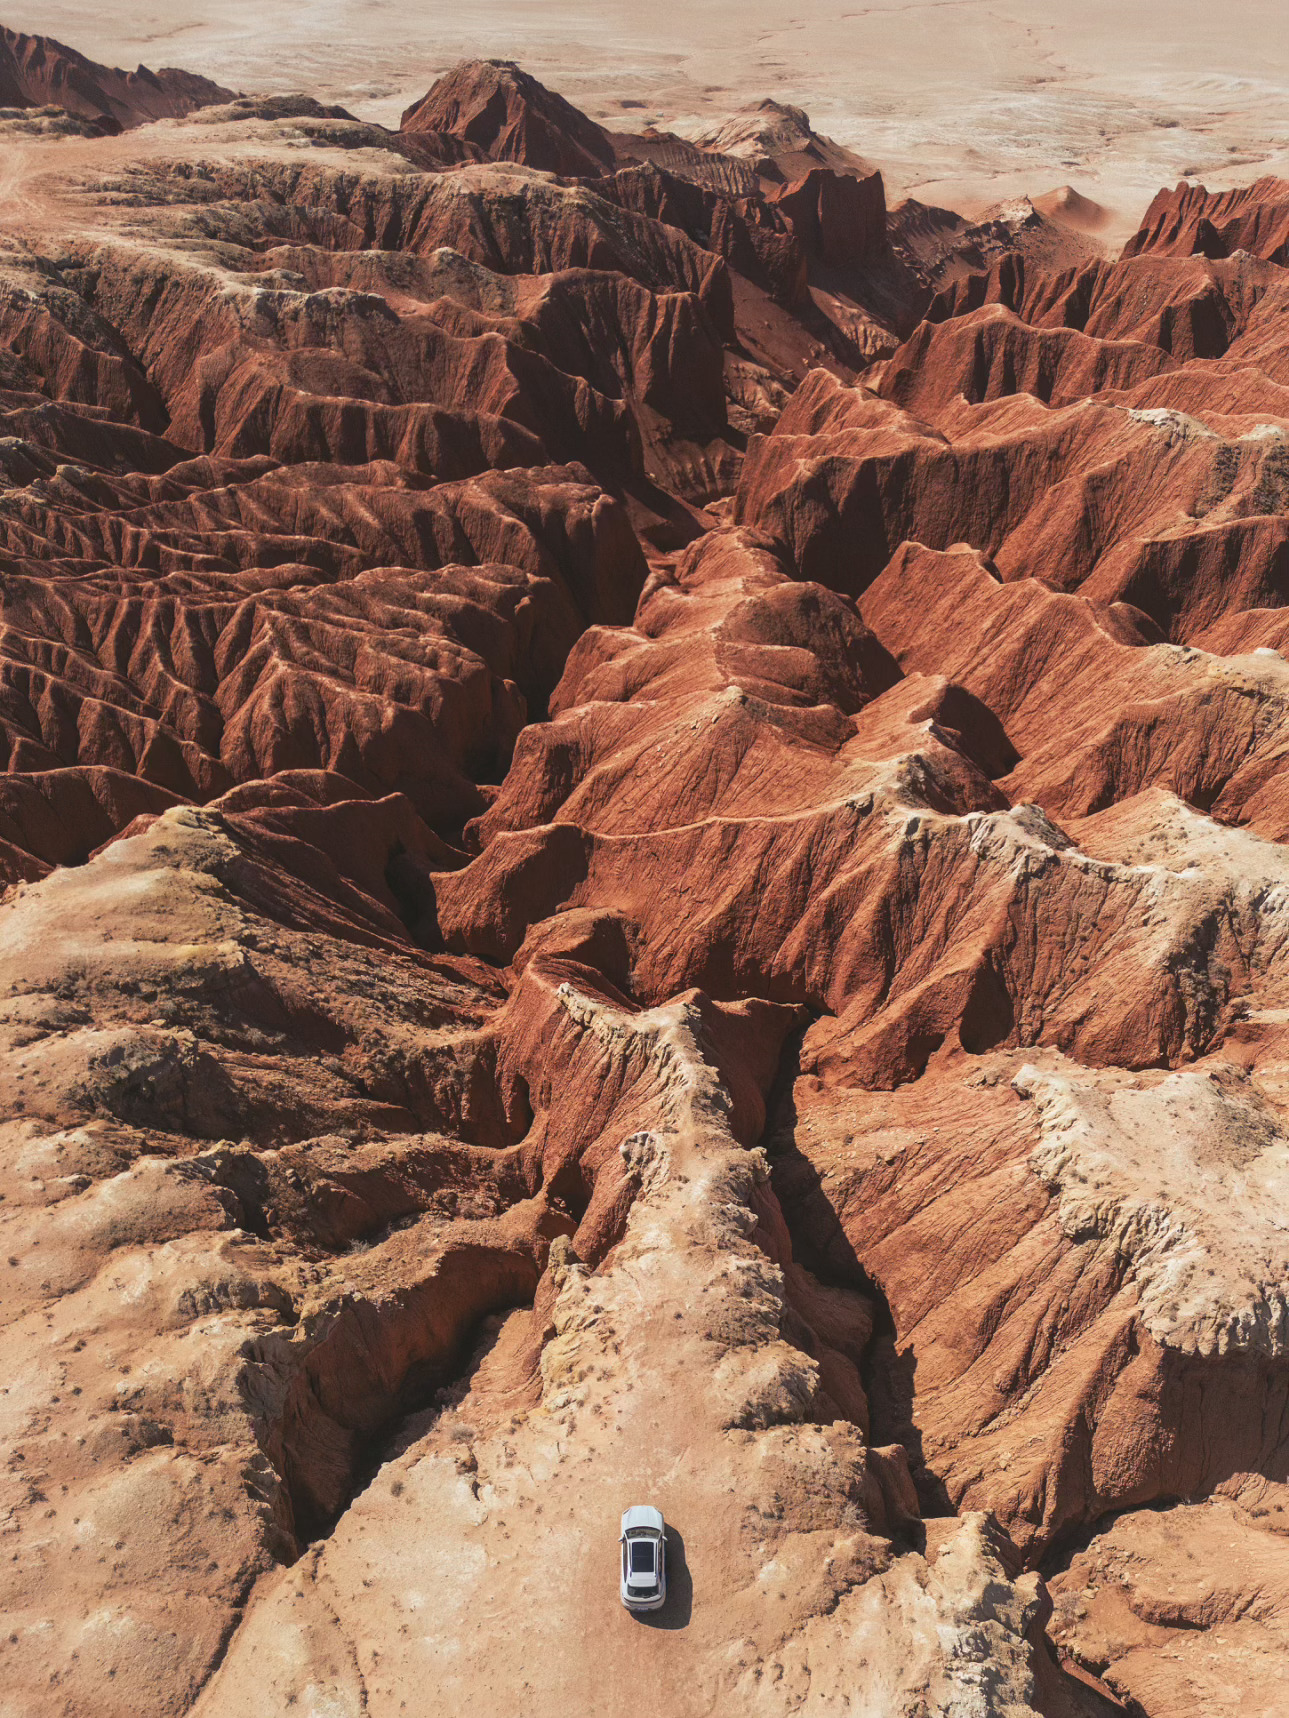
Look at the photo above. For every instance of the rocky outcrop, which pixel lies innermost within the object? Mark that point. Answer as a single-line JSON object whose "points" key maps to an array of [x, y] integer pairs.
{"points": [[37, 72], [838, 217], [788, 209], [498, 107], [1112, 495], [635, 872], [687, 1283], [1184, 1607], [1191, 221]]}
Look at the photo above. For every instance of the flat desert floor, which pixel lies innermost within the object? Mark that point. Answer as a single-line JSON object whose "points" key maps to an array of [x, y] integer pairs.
{"points": [[963, 102]]}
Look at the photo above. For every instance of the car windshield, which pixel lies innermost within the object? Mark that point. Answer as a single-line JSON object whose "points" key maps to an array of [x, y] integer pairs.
{"points": [[641, 1557]]}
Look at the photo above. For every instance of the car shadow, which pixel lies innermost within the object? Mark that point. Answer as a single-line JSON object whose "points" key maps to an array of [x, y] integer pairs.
{"points": [[678, 1609]]}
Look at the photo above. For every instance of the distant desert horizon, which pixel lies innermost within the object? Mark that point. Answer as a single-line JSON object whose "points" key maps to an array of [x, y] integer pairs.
{"points": [[959, 102]]}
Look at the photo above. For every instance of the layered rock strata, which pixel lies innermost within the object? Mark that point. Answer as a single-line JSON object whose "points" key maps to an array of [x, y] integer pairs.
{"points": [[644, 827]]}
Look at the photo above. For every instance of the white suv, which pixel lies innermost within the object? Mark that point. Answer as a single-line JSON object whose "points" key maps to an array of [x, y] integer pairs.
{"points": [[644, 1559]]}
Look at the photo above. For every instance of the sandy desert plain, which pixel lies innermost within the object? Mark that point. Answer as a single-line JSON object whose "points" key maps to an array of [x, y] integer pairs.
{"points": [[644, 859]]}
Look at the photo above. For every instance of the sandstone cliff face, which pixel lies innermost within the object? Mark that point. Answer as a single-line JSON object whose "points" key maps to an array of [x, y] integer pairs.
{"points": [[1190, 221], [643, 815]]}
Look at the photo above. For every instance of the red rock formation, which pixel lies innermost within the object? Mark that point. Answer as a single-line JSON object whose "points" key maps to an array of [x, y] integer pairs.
{"points": [[577, 924], [396, 677], [749, 232], [1190, 310], [990, 353], [511, 117], [1096, 708], [1191, 221], [839, 218], [1114, 494], [36, 71], [746, 195]]}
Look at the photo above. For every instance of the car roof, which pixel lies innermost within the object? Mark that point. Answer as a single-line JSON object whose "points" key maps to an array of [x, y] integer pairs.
{"points": [[641, 1515]]}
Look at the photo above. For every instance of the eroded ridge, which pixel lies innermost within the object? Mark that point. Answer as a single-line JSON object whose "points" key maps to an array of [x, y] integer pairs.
{"points": [[644, 822]]}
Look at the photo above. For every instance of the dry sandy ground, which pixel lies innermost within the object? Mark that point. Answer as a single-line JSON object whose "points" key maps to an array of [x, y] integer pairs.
{"points": [[960, 101]]}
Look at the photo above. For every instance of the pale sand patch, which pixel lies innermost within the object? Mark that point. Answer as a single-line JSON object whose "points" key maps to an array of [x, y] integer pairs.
{"points": [[960, 101]]}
